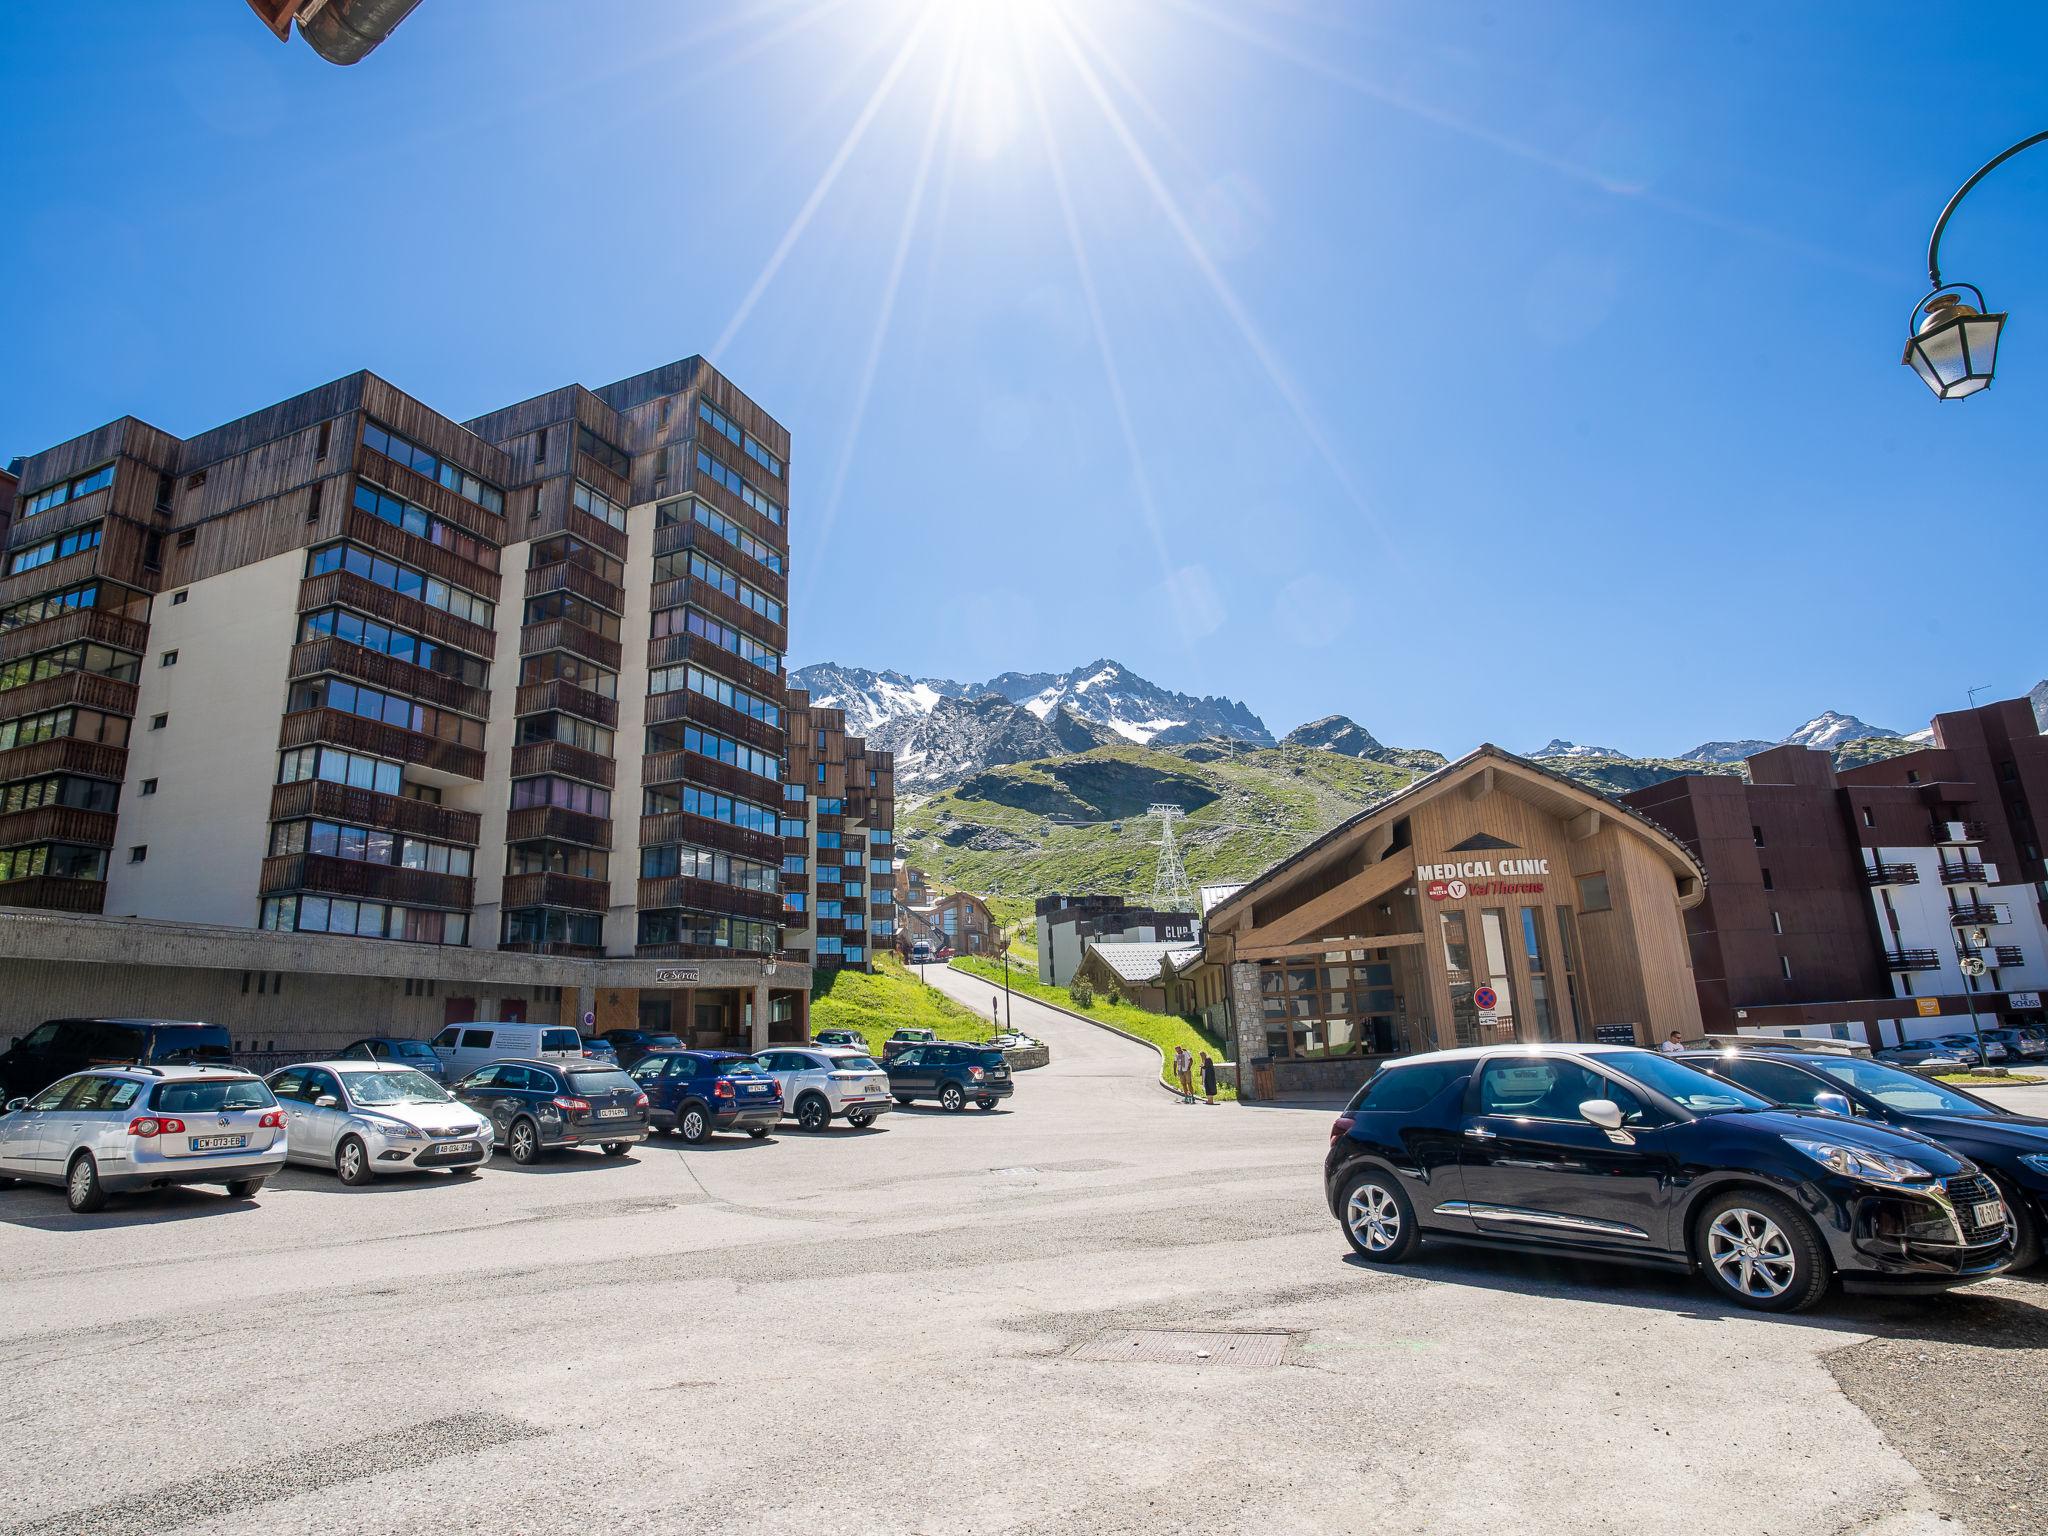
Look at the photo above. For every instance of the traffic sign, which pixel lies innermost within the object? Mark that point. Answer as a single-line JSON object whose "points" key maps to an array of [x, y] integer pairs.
{"points": [[589, 1018], [1485, 999]]}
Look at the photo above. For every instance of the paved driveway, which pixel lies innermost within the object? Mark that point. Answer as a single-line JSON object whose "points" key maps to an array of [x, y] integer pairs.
{"points": [[877, 1331]]}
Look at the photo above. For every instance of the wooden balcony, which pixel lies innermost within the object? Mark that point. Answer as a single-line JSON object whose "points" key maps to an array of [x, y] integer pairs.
{"points": [[306, 726], [567, 635], [558, 757], [567, 576], [710, 896], [373, 882], [367, 808], [672, 650], [310, 658], [679, 827], [57, 824], [559, 694], [556, 947], [693, 535], [1891, 874], [353, 591], [554, 823], [687, 591], [1911, 960], [424, 554], [80, 624], [593, 530], [52, 893], [64, 754], [87, 688], [82, 566], [553, 890], [687, 704], [695, 768], [696, 952], [416, 488]]}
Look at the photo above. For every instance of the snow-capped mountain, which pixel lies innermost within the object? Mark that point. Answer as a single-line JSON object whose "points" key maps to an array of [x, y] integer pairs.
{"points": [[1829, 729], [1726, 751], [1347, 738], [1557, 746], [1105, 692], [958, 738]]}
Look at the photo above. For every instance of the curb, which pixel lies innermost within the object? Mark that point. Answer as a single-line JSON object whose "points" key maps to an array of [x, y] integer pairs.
{"points": [[1159, 1078]]}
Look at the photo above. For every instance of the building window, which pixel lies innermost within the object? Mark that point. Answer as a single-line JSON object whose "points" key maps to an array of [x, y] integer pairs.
{"points": [[1756, 835], [158, 722], [66, 490], [168, 659], [1767, 879], [187, 537], [1912, 775], [195, 480], [139, 853], [313, 501], [1785, 966], [1777, 921], [148, 787], [1868, 819], [402, 451], [326, 437], [178, 598], [1593, 893]]}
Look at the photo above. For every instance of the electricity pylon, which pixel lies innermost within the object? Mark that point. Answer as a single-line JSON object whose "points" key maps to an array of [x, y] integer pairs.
{"points": [[1171, 891]]}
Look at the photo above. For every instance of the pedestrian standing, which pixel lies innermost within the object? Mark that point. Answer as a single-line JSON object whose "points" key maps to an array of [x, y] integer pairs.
{"points": [[1672, 1045], [1208, 1078], [1183, 1071]]}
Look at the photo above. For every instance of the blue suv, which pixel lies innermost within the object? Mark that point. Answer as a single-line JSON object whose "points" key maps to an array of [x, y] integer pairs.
{"points": [[697, 1092]]}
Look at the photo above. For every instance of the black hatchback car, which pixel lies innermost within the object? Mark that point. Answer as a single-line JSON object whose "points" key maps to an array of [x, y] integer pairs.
{"points": [[543, 1106], [952, 1074], [2011, 1149], [694, 1093], [631, 1044], [1620, 1153], [59, 1047]]}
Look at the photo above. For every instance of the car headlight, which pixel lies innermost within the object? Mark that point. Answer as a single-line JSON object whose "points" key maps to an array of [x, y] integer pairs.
{"points": [[393, 1130], [2038, 1161], [1858, 1162]]}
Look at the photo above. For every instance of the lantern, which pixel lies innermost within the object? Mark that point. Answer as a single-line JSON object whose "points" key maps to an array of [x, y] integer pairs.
{"points": [[1954, 347]]}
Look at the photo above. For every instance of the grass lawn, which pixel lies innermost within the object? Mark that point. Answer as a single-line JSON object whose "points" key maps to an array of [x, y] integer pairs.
{"points": [[1162, 1029], [891, 999], [1985, 1080]]}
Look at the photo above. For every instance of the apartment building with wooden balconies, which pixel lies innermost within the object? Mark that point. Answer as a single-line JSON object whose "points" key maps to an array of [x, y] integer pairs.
{"points": [[347, 667], [839, 874]]}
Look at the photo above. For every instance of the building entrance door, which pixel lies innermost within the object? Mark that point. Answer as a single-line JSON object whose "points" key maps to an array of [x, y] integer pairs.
{"points": [[458, 1010], [654, 1016]]}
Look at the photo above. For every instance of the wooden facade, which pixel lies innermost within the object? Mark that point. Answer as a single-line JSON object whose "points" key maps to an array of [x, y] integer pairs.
{"points": [[1492, 901]]}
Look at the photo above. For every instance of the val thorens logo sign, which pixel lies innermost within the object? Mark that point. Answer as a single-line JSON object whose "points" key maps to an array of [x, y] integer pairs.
{"points": [[1482, 877]]}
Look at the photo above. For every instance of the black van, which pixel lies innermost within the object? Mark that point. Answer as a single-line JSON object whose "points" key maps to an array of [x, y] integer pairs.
{"points": [[60, 1047]]}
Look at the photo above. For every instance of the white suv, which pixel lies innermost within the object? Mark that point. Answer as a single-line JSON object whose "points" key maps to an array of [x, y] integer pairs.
{"points": [[821, 1084], [115, 1129]]}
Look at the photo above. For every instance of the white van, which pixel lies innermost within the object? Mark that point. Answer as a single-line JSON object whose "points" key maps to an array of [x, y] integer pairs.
{"points": [[463, 1048]]}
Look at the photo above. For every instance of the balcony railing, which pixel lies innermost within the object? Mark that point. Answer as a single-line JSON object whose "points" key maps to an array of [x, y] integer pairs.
{"points": [[676, 767], [312, 657], [696, 952], [710, 896], [80, 624], [559, 694], [377, 882], [565, 576], [1973, 912], [677, 827], [409, 612], [482, 578], [567, 635], [1891, 874], [367, 808], [57, 824], [64, 754], [306, 726], [554, 823], [1962, 874], [1956, 831], [694, 535], [557, 947], [687, 704], [548, 889], [2007, 954], [671, 650], [1912, 960], [53, 893], [558, 757], [87, 688]]}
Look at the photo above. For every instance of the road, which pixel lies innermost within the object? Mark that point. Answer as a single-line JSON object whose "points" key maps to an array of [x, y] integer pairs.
{"points": [[879, 1331]]}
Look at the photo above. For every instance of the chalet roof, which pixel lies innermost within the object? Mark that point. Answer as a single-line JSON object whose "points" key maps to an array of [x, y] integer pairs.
{"points": [[1135, 962]]}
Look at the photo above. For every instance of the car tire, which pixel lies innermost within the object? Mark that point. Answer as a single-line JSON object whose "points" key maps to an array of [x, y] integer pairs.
{"points": [[952, 1098], [758, 1132], [83, 1190], [524, 1143], [692, 1124], [352, 1161], [1378, 1219], [617, 1148], [7, 1181], [905, 1100], [244, 1189], [1759, 1251], [2026, 1227], [813, 1113], [860, 1119], [984, 1103], [469, 1172]]}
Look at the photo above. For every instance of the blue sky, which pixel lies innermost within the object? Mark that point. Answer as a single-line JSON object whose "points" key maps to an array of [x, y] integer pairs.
{"points": [[1478, 371]]}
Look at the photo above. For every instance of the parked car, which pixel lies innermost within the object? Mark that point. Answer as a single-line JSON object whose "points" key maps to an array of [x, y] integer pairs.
{"points": [[599, 1049], [952, 1074], [113, 1130], [920, 953], [59, 1047], [821, 1084], [2011, 1149], [1620, 1153], [1921, 1056], [392, 1052], [543, 1106], [465, 1048], [1966, 1046], [904, 1039], [362, 1118], [632, 1044], [697, 1092], [846, 1037], [1960, 1048], [2018, 1044]]}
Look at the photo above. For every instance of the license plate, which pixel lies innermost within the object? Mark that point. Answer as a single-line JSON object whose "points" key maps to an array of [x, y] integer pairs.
{"points": [[455, 1148], [217, 1143], [758, 1090], [1988, 1213], [611, 1114]]}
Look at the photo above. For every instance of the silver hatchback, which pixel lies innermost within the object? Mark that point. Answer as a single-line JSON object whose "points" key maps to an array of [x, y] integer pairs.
{"points": [[113, 1130], [363, 1118]]}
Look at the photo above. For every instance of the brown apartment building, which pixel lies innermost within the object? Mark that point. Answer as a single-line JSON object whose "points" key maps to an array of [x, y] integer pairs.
{"points": [[1842, 903], [838, 841], [347, 716]]}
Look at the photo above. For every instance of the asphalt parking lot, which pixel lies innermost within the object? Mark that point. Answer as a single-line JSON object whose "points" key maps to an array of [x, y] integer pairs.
{"points": [[924, 1327]]}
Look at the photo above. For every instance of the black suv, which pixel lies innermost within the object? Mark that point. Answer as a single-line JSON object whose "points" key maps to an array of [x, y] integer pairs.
{"points": [[2011, 1149], [1620, 1153], [61, 1047], [952, 1074], [540, 1106]]}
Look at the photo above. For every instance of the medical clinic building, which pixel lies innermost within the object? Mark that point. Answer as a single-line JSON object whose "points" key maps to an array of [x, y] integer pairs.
{"points": [[1492, 901]]}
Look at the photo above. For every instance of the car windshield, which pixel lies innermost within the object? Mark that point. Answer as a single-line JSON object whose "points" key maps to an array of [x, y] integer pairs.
{"points": [[1685, 1086], [1903, 1091], [664, 1042], [204, 1097], [400, 1086], [854, 1064], [743, 1066], [608, 1080]]}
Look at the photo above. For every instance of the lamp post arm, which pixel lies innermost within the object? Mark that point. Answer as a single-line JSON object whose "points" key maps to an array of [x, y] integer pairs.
{"points": [[1934, 240]]}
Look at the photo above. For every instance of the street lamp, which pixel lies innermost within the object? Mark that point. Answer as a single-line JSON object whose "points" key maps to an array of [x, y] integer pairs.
{"points": [[1952, 345]]}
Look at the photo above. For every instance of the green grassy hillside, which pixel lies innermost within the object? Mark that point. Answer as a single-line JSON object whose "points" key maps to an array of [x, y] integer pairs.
{"points": [[1078, 823], [890, 999]]}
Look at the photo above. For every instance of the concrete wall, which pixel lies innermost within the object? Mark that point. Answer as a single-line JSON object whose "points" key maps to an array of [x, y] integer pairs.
{"points": [[622, 923], [207, 827]]}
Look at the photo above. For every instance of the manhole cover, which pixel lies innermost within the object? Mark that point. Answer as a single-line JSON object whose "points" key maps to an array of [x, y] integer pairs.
{"points": [[1168, 1346]]}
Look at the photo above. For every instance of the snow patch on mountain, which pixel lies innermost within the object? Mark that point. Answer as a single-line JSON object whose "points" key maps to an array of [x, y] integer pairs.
{"points": [[1557, 746], [1830, 728]]}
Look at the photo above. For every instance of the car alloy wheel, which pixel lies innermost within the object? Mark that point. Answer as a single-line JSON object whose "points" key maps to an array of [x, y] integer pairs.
{"points": [[1373, 1217], [82, 1187], [352, 1163], [692, 1125], [1751, 1254], [952, 1099], [525, 1142], [813, 1114]]}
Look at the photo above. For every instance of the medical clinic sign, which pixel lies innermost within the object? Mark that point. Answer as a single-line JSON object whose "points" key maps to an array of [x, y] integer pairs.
{"points": [[1482, 877]]}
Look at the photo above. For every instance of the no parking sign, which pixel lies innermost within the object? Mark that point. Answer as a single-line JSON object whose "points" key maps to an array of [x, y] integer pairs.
{"points": [[1485, 999]]}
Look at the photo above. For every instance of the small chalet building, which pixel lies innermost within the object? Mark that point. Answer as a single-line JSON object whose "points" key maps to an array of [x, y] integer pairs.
{"points": [[1492, 901]]}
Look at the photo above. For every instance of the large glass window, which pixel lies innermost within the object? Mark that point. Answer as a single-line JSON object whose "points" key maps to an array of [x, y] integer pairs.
{"points": [[386, 708], [680, 621], [1343, 1003], [369, 845], [669, 861], [567, 605], [610, 455], [67, 490], [733, 481], [1568, 956], [1533, 958], [80, 656], [745, 441], [65, 861], [338, 767], [549, 925], [76, 542], [60, 789], [689, 509], [401, 645], [404, 451], [568, 729], [567, 794], [568, 666], [693, 565], [81, 724], [1457, 945], [402, 579], [589, 498], [421, 523], [715, 688], [677, 926], [1494, 951], [670, 737]]}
